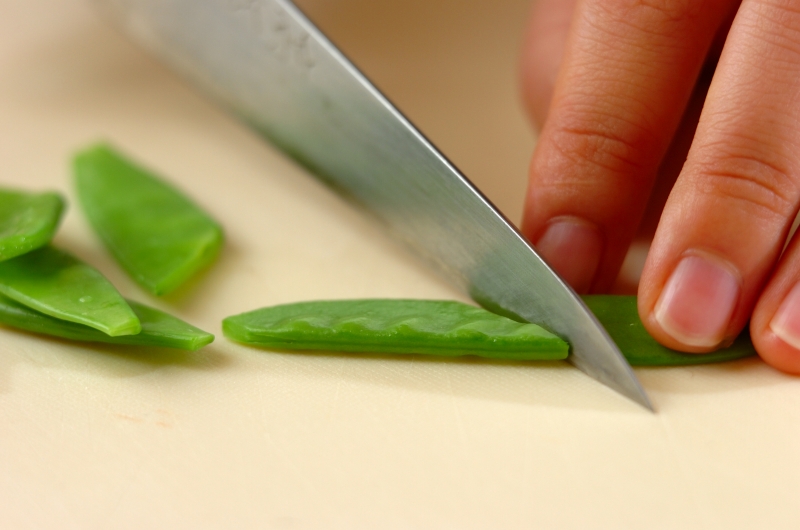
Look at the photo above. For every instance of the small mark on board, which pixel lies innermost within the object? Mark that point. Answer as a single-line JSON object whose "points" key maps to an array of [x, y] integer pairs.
{"points": [[160, 418]]}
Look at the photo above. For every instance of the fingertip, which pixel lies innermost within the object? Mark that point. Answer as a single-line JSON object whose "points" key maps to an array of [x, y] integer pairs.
{"points": [[694, 309], [776, 334], [776, 352]]}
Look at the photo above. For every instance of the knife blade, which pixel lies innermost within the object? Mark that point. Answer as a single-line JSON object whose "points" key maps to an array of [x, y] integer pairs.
{"points": [[268, 63]]}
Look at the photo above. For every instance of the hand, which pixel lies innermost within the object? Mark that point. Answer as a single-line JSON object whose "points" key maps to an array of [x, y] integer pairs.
{"points": [[634, 96]]}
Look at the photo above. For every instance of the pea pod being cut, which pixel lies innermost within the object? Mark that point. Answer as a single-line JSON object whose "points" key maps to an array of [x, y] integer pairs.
{"points": [[394, 326], [450, 328], [27, 221], [159, 329], [57, 284], [159, 236], [620, 317]]}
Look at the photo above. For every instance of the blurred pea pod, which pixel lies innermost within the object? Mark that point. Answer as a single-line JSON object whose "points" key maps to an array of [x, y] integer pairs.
{"points": [[158, 235], [57, 284], [27, 221], [158, 328], [394, 326]]}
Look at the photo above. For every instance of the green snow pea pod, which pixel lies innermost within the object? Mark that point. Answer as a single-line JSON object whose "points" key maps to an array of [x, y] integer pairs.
{"points": [[619, 316], [158, 235], [159, 329], [394, 326], [56, 284], [27, 220]]}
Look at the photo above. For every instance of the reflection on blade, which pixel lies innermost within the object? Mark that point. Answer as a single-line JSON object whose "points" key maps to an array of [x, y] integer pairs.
{"points": [[270, 65]]}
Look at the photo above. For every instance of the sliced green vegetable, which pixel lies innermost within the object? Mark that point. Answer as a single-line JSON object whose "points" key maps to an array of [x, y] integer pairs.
{"points": [[158, 235], [394, 326], [27, 221], [619, 316], [56, 284], [158, 328]]}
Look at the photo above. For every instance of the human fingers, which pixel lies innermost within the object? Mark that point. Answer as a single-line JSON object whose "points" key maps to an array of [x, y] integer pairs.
{"points": [[627, 281], [542, 53], [674, 158], [628, 70], [729, 213]]}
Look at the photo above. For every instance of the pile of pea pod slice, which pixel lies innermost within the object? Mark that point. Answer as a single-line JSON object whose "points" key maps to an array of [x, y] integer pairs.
{"points": [[46, 290], [162, 239]]}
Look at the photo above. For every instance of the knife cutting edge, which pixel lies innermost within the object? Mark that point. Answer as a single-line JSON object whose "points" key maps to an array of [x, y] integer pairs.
{"points": [[269, 64]]}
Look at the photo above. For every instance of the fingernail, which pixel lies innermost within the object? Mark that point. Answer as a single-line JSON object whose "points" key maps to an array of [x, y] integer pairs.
{"points": [[698, 300], [573, 248], [786, 322]]}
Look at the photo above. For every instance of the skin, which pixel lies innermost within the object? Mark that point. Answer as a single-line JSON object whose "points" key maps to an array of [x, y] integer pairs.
{"points": [[676, 121]]}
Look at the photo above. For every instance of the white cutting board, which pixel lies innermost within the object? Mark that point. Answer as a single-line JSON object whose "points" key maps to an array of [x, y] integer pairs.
{"points": [[232, 437]]}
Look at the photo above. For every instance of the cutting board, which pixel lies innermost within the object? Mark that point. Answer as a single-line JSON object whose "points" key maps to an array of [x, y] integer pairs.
{"points": [[98, 437]]}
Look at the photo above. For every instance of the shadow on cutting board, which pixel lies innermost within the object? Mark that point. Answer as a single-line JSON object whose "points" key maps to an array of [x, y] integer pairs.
{"points": [[552, 384], [110, 360], [743, 374]]}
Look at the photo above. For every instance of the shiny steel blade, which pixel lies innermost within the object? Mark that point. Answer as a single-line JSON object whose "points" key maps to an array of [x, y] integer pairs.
{"points": [[268, 63]]}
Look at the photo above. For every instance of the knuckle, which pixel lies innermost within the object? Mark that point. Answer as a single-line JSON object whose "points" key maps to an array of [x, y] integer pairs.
{"points": [[610, 146], [645, 13], [752, 183], [671, 9]]}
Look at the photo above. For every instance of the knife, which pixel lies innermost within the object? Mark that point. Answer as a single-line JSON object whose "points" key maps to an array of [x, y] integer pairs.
{"points": [[265, 61]]}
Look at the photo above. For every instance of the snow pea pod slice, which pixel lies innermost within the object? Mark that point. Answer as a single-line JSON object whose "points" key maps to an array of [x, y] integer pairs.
{"points": [[394, 326], [158, 235], [619, 316], [159, 329], [27, 220], [57, 284]]}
